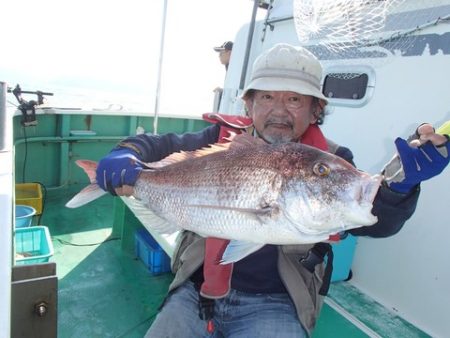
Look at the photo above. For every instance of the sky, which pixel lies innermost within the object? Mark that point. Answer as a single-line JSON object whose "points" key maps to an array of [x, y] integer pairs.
{"points": [[96, 54]]}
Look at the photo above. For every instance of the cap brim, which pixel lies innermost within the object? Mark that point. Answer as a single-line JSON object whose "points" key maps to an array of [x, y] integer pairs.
{"points": [[283, 84]]}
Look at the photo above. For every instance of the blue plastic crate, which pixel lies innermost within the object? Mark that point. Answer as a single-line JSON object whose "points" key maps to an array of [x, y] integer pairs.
{"points": [[33, 245], [343, 252], [150, 253]]}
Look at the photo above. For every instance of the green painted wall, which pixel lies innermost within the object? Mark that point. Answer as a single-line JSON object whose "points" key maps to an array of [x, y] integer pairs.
{"points": [[47, 152]]}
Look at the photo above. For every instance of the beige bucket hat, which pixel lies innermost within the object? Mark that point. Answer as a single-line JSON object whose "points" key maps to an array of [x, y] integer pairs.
{"points": [[287, 68]]}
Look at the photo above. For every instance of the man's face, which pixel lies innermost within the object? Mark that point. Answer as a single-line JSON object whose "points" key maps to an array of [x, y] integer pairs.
{"points": [[224, 57], [280, 116]]}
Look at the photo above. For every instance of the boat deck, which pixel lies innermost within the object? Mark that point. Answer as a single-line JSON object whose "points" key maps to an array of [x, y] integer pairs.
{"points": [[104, 291]]}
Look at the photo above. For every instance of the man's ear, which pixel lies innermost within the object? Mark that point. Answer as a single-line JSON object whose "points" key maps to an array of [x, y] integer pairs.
{"points": [[248, 105], [317, 108], [313, 117]]}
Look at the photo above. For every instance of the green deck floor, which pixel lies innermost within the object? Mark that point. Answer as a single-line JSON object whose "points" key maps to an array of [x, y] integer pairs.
{"points": [[104, 291]]}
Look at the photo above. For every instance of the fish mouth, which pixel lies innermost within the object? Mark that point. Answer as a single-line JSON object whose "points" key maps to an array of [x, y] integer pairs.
{"points": [[361, 213], [369, 190]]}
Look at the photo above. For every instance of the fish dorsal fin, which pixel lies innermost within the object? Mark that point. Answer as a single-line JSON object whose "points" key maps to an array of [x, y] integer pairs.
{"points": [[236, 141], [185, 155]]}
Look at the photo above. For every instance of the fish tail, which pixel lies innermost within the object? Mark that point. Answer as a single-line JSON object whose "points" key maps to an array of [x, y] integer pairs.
{"points": [[90, 168], [92, 191]]}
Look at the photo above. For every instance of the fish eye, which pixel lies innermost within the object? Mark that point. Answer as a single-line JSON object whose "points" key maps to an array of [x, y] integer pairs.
{"points": [[321, 169]]}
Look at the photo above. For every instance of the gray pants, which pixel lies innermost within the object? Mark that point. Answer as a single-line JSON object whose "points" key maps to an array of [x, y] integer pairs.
{"points": [[239, 315]]}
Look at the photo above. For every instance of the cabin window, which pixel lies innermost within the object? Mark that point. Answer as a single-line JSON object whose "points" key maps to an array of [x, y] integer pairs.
{"points": [[350, 86]]}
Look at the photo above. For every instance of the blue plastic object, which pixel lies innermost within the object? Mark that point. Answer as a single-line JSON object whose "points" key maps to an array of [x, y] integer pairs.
{"points": [[343, 257], [24, 215], [33, 245], [150, 253]]}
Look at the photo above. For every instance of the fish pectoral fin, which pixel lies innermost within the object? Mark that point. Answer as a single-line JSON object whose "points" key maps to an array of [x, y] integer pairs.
{"points": [[149, 219], [88, 194], [254, 211], [236, 250]]}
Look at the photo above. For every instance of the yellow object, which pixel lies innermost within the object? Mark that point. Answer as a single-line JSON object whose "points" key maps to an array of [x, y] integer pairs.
{"points": [[444, 129], [29, 194]]}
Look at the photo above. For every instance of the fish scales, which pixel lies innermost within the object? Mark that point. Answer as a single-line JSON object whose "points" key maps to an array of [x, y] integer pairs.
{"points": [[189, 193]]}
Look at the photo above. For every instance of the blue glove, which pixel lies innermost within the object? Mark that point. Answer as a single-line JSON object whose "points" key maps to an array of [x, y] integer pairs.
{"points": [[118, 168], [418, 164]]}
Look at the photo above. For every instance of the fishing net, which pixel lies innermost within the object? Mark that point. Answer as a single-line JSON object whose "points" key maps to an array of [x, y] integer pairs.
{"points": [[370, 29], [344, 23]]}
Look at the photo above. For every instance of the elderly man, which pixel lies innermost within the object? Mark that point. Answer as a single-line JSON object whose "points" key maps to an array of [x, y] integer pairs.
{"points": [[272, 294]]}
